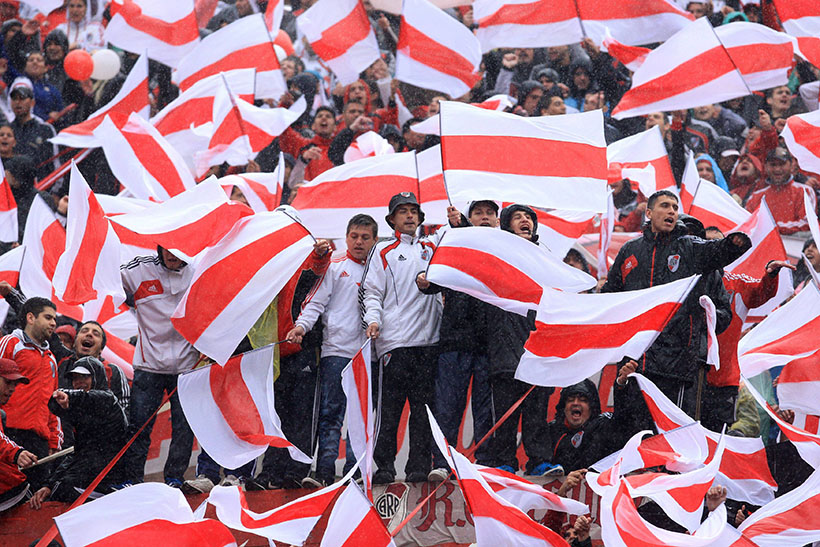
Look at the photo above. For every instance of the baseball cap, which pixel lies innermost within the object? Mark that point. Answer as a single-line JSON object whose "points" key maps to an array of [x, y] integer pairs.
{"points": [[10, 371], [80, 370], [489, 202], [21, 88], [780, 153]]}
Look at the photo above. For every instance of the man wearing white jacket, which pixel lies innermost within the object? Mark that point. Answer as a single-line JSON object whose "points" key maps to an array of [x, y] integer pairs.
{"points": [[335, 298], [404, 323]]}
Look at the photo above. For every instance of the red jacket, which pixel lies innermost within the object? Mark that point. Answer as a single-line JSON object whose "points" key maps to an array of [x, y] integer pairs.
{"points": [[291, 142], [28, 407], [745, 292], [786, 204], [10, 476]]}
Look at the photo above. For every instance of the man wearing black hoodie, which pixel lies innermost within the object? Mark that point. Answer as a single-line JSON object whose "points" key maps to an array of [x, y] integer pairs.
{"points": [[506, 334]]}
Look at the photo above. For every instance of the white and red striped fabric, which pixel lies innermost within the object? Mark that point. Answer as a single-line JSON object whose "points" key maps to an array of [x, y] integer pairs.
{"points": [[744, 469], [340, 34], [808, 47], [133, 245], [713, 206], [146, 514], [605, 229], [9, 229], [576, 335], [807, 444], [44, 239], [501, 268], [802, 136], [763, 56], [10, 264], [45, 6], [558, 230], [250, 265], [142, 160], [526, 495], [497, 521], [632, 57], [187, 223], [526, 23], [548, 161], [326, 203], [499, 102], [691, 68], [241, 130], [712, 351], [435, 51], [290, 524], [262, 190], [132, 97], [791, 519], [799, 17], [361, 420], [811, 216], [354, 522], [432, 194], [642, 159], [89, 269], [231, 409], [367, 145], [165, 31], [245, 43], [274, 13], [632, 22]]}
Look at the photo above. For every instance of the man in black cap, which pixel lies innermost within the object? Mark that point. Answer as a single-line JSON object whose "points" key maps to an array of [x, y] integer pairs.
{"points": [[13, 485], [404, 323], [783, 195], [32, 133]]}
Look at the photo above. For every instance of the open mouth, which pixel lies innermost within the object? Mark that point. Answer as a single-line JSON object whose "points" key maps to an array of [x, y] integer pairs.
{"points": [[575, 412], [87, 343]]}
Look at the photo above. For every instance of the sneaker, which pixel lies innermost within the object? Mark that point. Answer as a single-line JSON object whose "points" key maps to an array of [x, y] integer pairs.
{"points": [[120, 486], [383, 477], [200, 485], [173, 483], [440, 474], [310, 482], [507, 468], [291, 483], [546, 469], [230, 480], [416, 476], [254, 485]]}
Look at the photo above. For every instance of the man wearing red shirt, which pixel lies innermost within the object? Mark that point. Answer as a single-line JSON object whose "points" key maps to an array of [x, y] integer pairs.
{"points": [[783, 195], [312, 152]]}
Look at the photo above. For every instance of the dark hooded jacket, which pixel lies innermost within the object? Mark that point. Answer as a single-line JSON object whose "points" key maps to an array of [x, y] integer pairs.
{"points": [[99, 428], [597, 438], [656, 259]]}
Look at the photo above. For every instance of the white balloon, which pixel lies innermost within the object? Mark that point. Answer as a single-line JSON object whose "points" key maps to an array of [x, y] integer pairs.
{"points": [[106, 64]]}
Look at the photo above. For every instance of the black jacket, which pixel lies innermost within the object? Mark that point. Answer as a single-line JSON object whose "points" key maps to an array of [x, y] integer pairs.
{"points": [[656, 259]]}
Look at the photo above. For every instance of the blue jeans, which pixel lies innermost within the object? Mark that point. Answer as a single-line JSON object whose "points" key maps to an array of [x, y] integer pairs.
{"points": [[455, 368], [146, 395], [332, 405], [205, 465]]}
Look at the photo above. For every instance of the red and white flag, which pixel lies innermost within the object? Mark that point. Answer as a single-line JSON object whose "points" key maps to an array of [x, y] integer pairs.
{"points": [[497, 521], [526, 495], [712, 351], [361, 420], [576, 335], [802, 136], [632, 22], [354, 522], [605, 230], [549, 161], [435, 51], [432, 194], [9, 229], [165, 31], [808, 47], [230, 409], [713, 206], [326, 203], [501, 268], [799, 17], [291, 523], [274, 13], [367, 145], [763, 56], [145, 514], [245, 43], [44, 239], [340, 34], [665, 80], [250, 265], [142, 160], [10, 264], [791, 519], [187, 223], [558, 230], [132, 97], [241, 130], [262, 190], [744, 469], [89, 269], [811, 215], [526, 23], [642, 159], [632, 57]]}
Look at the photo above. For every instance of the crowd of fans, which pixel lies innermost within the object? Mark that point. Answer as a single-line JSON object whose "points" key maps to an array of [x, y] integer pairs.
{"points": [[431, 342]]}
